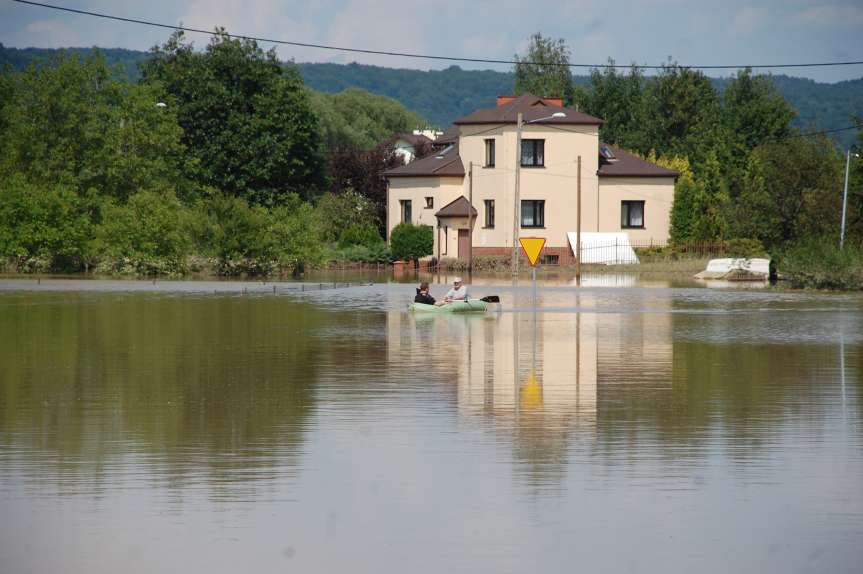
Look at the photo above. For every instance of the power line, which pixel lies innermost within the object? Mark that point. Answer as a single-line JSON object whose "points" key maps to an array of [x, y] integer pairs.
{"points": [[413, 55]]}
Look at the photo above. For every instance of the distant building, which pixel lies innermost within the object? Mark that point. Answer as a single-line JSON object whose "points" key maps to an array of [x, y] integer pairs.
{"points": [[620, 192], [406, 144]]}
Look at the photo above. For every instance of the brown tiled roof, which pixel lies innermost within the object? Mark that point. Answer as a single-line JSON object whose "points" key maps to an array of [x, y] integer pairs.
{"points": [[413, 139], [457, 208], [628, 165], [444, 163], [450, 135], [532, 108]]}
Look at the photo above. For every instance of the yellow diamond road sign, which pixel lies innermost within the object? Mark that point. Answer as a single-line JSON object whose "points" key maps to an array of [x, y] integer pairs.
{"points": [[532, 247]]}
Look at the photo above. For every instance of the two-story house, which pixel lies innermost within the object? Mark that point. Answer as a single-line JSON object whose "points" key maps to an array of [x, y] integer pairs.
{"points": [[619, 191]]}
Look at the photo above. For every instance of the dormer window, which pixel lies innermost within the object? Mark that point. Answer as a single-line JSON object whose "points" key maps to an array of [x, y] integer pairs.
{"points": [[606, 152]]}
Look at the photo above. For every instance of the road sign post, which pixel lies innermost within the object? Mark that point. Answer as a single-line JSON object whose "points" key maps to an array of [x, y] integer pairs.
{"points": [[532, 247]]}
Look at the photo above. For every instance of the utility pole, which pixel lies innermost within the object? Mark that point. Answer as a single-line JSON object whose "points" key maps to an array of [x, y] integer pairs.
{"points": [[470, 220], [516, 206], [578, 228], [844, 199]]}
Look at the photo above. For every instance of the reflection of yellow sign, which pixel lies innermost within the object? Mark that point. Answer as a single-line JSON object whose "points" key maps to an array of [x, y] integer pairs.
{"points": [[530, 394], [532, 247]]}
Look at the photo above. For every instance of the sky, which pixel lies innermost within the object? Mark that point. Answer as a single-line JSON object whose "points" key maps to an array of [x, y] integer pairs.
{"points": [[697, 32]]}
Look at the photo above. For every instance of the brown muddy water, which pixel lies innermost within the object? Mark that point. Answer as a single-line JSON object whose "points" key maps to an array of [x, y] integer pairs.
{"points": [[623, 426]]}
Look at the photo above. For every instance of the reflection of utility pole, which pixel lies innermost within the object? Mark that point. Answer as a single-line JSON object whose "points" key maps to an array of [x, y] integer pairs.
{"points": [[578, 229], [516, 386]]}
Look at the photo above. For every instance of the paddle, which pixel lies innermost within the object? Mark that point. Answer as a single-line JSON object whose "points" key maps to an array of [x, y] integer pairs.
{"points": [[491, 299]]}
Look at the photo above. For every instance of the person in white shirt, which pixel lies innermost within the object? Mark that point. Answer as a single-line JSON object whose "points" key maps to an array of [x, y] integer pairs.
{"points": [[457, 293]]}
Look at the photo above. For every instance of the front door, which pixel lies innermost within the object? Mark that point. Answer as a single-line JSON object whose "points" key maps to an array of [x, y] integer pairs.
{"points": [[463, 243]]}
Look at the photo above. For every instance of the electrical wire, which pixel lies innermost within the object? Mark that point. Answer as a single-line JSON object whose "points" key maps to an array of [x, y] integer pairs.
{"points": [[420, 56]]}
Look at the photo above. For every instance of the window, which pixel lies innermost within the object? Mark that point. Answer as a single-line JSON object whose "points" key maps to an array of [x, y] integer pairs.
{"points": [[632, 214], [489, 213], [532, 153], [445, 241], [549, 259], [532, 213], [489, 153], [429, 203], [406, 210]]}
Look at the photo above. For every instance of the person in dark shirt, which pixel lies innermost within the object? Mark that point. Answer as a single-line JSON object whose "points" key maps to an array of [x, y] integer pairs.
{"points": [[423, 295]]}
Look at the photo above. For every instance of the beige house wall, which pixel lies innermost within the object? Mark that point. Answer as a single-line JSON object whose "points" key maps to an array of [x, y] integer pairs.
{"points": [[555, 183], [416, 189], [657, 193]]}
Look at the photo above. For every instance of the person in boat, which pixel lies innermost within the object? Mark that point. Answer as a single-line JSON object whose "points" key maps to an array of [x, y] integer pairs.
{"points": [[423, 295], [457, 293]]}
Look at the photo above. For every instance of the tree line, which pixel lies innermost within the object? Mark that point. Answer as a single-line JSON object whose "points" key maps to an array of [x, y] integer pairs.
{"points": [[745, 171], [219, 159]]}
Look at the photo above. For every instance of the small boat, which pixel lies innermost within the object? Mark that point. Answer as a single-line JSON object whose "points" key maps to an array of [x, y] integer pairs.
{"points": [[468, 306]]}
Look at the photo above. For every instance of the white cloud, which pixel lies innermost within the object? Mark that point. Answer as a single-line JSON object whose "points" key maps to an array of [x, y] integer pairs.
{"points": [[748, 20], [53, 34], [831, 15]]}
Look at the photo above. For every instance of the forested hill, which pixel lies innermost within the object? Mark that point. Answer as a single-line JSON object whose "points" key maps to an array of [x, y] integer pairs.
{"points": [[440, 96]]}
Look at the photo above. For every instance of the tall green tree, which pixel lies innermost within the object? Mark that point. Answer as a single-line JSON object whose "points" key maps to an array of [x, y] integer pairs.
{"points": [[791, 189], [753, 113], [544, 69], [681, 116], [71, 121], [247, 120], [617, 99], [710, 202]]}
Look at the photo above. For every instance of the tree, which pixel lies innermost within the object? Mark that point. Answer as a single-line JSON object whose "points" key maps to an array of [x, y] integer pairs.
{"points": [[409, 241], [793, 189], [362, 172], [710, 202], [680, 116], [247, 120], [357, 119], [617, 99], [544, 70], [753, 112], [70, 121]]}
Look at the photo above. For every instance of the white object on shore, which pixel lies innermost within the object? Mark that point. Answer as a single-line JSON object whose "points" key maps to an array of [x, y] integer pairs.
{"points": [[737, 269], [604, 248]]}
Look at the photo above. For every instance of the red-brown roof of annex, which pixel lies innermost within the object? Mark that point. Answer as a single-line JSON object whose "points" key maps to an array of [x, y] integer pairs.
{"points": [[533, 109]]}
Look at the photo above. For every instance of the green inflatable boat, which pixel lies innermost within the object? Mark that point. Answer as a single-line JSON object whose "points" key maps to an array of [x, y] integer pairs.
{"points": [[469, 306]]}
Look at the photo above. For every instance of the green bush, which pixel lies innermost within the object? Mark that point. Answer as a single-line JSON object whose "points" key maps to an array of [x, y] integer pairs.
{"points": [[42, 228], [237, 236], [409, 241], [819, 263], [293, 236], [366, 235], [745, 248], [378, 253], [147, 235]]}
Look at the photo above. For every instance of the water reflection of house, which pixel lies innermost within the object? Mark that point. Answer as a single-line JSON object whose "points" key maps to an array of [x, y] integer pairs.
{"points": [[542, 380]]}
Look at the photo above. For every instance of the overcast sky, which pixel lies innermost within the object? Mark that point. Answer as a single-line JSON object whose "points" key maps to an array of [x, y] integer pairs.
{"points": [[697, 32]]}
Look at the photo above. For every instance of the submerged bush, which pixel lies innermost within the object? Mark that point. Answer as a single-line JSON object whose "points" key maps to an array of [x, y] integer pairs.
{"points": [[819, 263], [147, 235], [366, 235], [42, 228]]}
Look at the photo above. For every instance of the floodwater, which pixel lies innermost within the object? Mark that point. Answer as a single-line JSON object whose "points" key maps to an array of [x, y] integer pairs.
{"points": [[620, 426]]}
